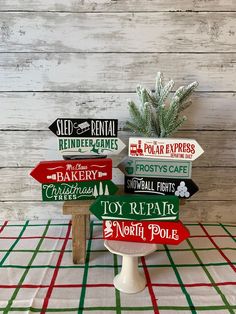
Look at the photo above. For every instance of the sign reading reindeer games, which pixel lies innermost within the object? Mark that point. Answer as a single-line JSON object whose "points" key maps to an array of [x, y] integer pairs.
{"points": [[87, 136], [136, 207], [164, 148]]}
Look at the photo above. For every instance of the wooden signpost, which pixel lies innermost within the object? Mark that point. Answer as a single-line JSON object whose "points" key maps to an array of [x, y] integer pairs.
{"points": [[73, 170], [164, 148], [71, 191], [90, 146], [171, 233], [136, 207], [156, 168], [183, 188], [85, 127]]}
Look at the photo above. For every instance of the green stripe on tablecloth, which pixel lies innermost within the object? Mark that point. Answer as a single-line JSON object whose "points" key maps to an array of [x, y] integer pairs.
{"points": [[111, 266], [41, 225], [188, 298], [228, 234], [117, 292], [85, 276], [15, 243], [223, 298], [10, 301], [125, 308]]}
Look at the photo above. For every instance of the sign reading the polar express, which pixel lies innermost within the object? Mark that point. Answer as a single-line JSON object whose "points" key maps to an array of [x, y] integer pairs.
{"points": [[164, 148], [156, 168]]}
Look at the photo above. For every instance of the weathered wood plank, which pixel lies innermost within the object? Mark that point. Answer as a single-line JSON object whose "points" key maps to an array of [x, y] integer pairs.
{"points": [[26, 149], [130, 32], [36, 111], [214, 184], [120, 6], [192, 211], [112, 72]]}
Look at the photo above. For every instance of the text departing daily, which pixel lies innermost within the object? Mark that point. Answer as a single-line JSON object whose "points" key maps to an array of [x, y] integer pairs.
{"points": [[183, 188], [85, 127], [165, 232], [90, 146], [71, 191], [136, 207], [73, 170], [156, 168], [164, 148]]}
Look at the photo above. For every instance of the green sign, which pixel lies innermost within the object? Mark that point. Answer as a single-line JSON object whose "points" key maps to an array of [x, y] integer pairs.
{"points": [[137, 207], [71, 191], [156, 168]]}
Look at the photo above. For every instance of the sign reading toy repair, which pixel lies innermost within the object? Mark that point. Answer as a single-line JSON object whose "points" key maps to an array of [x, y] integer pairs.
{"points": [[156, 168], [136, 207], [73, 170], [71, 191], [171, 233], [164, 148], [183, 188], [85, 127], [90, 146]]}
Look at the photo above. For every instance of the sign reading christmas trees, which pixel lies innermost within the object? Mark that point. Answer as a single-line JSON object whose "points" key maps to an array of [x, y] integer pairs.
{"points": [[164, 148], [171, 233], [136, 207], [71, 191]]}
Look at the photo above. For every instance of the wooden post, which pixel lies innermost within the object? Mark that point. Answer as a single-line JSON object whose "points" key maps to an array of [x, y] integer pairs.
{"points": [[79, 238]]}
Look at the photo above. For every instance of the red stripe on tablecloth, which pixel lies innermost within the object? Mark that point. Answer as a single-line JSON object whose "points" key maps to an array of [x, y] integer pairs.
{"points": [[25, 286], [149, 285], [3, 226], [218, 248], [37, 237], [55, 273]]}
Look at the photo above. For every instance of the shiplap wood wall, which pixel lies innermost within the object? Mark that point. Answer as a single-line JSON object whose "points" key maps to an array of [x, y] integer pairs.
{"points": [[84, 59]]}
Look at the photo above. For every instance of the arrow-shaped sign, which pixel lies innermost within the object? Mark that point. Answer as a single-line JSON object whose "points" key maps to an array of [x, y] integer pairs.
{"points": [[136, 207], [156, 168], [183, 188], [85, 127], [171, 233], [164, 148], [71, 191], [73, 170], [90, 146]]}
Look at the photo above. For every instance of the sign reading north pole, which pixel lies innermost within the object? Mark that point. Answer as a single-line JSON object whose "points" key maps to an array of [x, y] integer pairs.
{"points": [[71, 191], [183, 188], [136, 207], [164, 148], [171, 233], [85, 127], [156, 168], [73, 170]]}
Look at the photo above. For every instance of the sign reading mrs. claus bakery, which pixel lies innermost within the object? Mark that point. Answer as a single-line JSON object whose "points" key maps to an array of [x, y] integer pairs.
{"points": [[164, 148]]}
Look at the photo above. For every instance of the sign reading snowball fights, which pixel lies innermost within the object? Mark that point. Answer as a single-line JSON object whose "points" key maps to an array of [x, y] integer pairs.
{"points": [[183, 188], [71, 191], [164, 148], [73, 170], [156, 168], [171, 233], [136, 207]]}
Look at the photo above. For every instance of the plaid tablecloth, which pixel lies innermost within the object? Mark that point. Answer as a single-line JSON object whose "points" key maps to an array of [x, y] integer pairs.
{"points": [[37, 274]]}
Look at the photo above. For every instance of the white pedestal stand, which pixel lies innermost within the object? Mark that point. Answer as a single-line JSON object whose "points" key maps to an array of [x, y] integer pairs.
{"points": [[129, 280]]}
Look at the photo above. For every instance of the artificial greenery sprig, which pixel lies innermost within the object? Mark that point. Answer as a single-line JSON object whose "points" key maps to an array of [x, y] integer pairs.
{"points": [[159, 112]]}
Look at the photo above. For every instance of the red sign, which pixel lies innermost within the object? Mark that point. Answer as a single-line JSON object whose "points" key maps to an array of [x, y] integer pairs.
{"points": [[73, 170], [147, 231]]}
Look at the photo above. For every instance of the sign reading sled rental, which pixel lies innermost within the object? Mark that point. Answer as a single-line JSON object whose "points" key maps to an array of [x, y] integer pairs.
{"points": [[164, 148]]}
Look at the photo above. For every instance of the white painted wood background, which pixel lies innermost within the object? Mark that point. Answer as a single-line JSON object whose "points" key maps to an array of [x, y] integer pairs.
{"points": [[79, 58]]}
